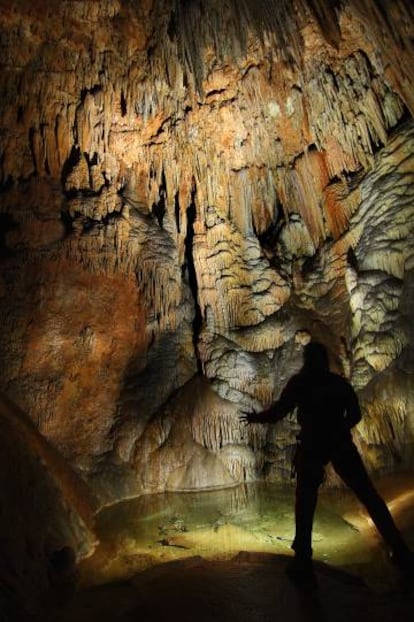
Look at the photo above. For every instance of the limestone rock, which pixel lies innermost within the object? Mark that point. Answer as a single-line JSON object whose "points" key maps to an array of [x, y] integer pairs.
{"points": [[194, 188]]}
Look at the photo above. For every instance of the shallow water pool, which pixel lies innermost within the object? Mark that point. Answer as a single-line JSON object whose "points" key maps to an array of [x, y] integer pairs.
{"points": [[257, 517]]}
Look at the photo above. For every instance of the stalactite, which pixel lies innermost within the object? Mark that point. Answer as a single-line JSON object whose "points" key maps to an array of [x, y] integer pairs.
{"points": [[102, 104], [351, 108], [326, 14], [301, 193], [340, 203], [384, 423], [240, 461], [391, 24], [216, 429]]}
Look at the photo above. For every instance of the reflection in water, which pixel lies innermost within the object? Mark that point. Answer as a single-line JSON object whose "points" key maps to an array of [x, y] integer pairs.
{"points": [[257, 517]]}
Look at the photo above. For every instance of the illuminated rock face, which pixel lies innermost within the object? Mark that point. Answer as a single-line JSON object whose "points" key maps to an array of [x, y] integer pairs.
{"points": [[193, 189]]}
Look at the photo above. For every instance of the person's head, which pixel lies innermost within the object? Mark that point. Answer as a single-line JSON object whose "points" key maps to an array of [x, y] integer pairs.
{"points": [[315, 358]]}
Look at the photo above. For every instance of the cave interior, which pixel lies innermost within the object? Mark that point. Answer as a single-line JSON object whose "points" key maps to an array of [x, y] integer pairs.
{"points": [[190, 192]]}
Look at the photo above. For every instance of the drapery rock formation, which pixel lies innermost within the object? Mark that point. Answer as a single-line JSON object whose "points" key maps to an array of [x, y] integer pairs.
{"points": [[191, 189]]}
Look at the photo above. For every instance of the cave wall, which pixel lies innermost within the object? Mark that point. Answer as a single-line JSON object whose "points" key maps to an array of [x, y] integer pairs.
{"points": [[189, 190]]}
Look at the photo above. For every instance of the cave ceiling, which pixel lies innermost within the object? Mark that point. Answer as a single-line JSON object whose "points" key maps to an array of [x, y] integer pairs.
{"points": [[189, 191]]}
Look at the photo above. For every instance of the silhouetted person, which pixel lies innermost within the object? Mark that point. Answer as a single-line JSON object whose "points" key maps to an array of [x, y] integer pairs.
{"points": [[328, 409]]}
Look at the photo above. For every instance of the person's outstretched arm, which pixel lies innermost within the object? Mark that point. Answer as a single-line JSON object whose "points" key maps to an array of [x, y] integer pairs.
{"points": [[278, 410]]}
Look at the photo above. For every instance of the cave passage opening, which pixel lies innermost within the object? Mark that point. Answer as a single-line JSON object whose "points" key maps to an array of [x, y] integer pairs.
{"points": [[190, 269]]}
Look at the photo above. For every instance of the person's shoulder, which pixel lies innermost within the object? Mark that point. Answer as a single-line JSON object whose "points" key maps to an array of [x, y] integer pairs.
{"points": [[339, 380], [336, 377], [296, 380]]}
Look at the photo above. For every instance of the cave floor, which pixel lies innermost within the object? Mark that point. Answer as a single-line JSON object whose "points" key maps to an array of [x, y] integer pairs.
{"points": [[252, 587], [222, 555]]}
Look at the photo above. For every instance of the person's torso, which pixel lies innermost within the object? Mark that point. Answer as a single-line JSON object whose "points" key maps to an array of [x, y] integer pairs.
{"points": [[322, 402]]}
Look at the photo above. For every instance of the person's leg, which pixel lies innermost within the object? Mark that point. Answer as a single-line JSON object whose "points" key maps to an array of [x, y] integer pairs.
{"points": [[349, 466], [309, 477]]}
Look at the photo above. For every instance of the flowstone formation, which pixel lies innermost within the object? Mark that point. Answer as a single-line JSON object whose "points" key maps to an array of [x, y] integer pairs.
{"points": [[190, 191]]}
